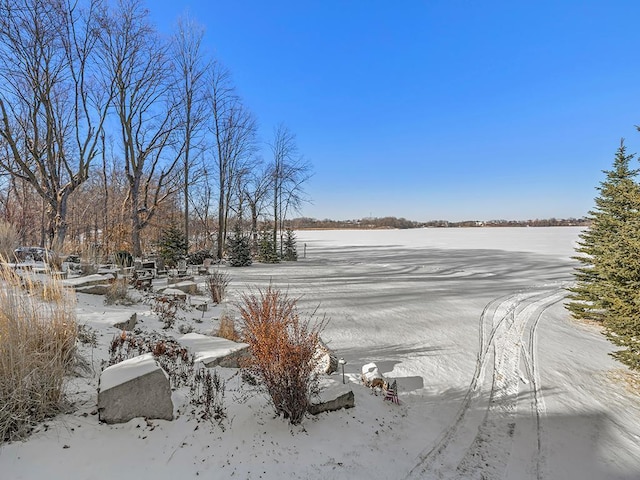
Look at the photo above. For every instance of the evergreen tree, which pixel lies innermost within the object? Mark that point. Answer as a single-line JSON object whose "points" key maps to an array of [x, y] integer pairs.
{"points": [[172, 245], [239, 248], [267, 251], [290, 250], [607, 287]]}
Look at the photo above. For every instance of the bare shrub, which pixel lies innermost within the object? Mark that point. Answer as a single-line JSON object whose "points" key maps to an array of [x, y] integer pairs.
{"points": [[217, 283], [172, 357], [118, 293], [87, 335], [166, 307], [227, 328], [91, 254], [37, 343], [282, 346], [9, 240], [207, 395], [54, 260]]}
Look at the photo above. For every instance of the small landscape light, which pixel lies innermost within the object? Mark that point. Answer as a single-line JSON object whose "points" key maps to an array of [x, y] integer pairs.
{"points": [[342, 362]]}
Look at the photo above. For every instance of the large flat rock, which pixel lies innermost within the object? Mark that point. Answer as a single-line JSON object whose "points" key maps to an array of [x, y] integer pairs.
{"points": [[334, 395], [214, 351], [172, 292], [88, 280], [187, 287], [137, 387], [96, 289], [109, 318]]}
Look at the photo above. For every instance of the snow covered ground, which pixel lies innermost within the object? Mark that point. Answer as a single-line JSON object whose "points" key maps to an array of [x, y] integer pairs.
{"points": [[495, 380]]}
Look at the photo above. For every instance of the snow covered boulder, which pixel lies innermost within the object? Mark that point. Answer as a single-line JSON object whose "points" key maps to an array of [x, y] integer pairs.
{"points": [[189, 287], [334, 395], [214, 351], [98, 289], [174, 292], [88, 280], [327, 361], [179, 279], [128, 323], [137, 387], [371, 376]]}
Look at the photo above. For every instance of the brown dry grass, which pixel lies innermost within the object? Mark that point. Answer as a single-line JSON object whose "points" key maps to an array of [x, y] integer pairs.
{"points": [[227, 328], [9, 240], [118, 292], [38, 331]]}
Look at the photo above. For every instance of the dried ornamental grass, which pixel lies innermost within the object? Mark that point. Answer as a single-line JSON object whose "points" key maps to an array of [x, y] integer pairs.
{"points": [[38, 332]]}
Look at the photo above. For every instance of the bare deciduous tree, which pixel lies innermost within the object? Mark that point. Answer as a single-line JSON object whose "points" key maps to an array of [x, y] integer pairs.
{"points": [[289, 172], [234, 136], [191, 69], [139, 63], [51, 112], [256, 188]]}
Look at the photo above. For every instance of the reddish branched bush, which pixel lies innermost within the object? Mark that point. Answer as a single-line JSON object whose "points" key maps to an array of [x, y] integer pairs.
{"points": [[282, 346], [166, 307]]}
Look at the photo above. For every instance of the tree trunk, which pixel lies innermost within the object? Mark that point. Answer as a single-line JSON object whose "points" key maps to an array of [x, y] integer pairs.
{"points": [[221, 227], [59, 230], [254, 223], [136, 225]]}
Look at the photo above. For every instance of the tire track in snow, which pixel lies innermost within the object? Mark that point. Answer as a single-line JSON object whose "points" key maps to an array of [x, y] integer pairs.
{"points": [[500, 331], [489, 453], [537, 400]]}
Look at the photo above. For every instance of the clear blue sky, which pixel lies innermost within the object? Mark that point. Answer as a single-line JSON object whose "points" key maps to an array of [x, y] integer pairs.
{"points": [[436, 109]]}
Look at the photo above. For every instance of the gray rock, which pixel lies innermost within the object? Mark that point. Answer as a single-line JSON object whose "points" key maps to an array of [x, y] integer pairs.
{"points": [[173, 292], [327, 361], [137, 387], [129, 324], [187, 287], [334, 395], [100, 289], [88, 280], [88, 268], [177, 279], [215, 351]]}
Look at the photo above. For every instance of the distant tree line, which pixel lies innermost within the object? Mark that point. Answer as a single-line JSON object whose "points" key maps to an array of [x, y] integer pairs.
{"points": [[403, 223], [365, 223], [110, 131]]}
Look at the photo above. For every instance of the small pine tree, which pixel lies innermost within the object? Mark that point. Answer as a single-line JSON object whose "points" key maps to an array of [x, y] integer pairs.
{"points": [[239, 248], [290, 250], [608, 279], [172, 245], [267, 252]]}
